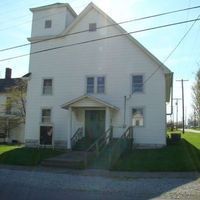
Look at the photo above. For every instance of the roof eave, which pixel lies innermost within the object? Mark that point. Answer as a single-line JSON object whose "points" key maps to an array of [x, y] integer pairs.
{"points": [[67, 105]]}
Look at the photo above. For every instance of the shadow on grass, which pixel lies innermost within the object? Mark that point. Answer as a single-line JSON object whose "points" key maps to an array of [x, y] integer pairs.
{"points": [[27, 156], [182, 156]]}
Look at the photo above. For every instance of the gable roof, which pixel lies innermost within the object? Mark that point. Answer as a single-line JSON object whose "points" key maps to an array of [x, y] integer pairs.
{"points": [[7, 83], [55, 5], [91, 6], [97, 100], [123, 32]]}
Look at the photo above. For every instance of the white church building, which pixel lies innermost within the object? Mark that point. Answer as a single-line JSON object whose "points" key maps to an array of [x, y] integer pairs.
{"points": [[87, 73]]}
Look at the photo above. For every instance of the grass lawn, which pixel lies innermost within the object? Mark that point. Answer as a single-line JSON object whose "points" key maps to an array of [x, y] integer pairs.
{"points": [[19, 155], [184, 156]]}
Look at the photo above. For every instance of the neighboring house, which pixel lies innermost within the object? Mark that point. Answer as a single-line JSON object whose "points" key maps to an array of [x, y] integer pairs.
{"points": [[84, 85], [11, 125]]}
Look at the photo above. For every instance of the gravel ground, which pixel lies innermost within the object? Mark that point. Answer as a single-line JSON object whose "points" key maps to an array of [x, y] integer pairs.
{"points": [[137, 188]]}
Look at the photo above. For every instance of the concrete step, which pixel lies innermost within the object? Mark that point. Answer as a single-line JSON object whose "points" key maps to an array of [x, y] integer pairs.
{"points": [[72, 160], [64, 164]]}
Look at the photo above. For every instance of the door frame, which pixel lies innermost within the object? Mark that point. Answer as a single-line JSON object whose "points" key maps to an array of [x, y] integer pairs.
{"points": [[94, 109]]}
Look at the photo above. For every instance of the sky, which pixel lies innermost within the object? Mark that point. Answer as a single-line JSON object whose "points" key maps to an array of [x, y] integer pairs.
{"points": [[15, 28]]}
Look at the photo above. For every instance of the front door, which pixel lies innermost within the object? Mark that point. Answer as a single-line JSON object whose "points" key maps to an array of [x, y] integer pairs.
{"points": [[94, 123]]}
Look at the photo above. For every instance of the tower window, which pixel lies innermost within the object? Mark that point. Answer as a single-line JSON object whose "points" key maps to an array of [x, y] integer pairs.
{"points": [[48, 24], [92, 27]]}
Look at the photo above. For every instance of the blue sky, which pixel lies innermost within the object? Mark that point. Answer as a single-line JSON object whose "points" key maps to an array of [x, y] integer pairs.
{"points": [[16, 18]]}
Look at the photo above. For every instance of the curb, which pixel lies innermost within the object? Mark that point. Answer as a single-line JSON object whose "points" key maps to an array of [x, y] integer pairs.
{"points": [[106, 173]]}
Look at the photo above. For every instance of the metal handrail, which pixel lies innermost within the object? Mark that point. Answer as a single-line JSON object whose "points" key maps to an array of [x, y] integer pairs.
{"points": [[99, 144], [106, 136], [127, 135], [77, 136]]}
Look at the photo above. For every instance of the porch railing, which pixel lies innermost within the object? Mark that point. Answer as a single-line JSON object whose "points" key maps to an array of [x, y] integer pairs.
{"points": [[97, 147], [122, 145], [77, 136]]}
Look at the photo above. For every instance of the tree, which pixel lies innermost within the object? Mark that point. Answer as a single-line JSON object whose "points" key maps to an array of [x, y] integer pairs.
{"points": [[196, 96], [17, 99], [14, 107]]}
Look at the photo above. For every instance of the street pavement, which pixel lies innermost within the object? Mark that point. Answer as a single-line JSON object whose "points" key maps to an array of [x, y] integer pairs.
{"points": [[34, 183]]}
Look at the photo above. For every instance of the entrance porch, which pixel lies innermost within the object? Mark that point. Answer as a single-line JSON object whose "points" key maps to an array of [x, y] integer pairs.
{"points": [[88, 117]]}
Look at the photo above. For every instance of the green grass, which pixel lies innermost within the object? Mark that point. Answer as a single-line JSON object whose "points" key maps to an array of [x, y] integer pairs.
{"points": [[184, 156], [19, 155]]}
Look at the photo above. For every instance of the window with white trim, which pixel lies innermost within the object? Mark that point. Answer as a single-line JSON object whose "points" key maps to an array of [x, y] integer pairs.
{"points": [[90, 85], [46, 115], [92, 27], [100, 84], [95, 84], [47, 86], [48, 23], [137, 83], [138, 117]]}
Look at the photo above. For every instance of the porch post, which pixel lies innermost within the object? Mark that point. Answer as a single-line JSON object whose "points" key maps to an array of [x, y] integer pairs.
{"points": [[108, 122], [107, 118], [69, 128]]}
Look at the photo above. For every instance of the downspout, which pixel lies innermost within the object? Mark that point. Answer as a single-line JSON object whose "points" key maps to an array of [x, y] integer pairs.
{"points": [[172, 93], [171, 112], [124, 124]]}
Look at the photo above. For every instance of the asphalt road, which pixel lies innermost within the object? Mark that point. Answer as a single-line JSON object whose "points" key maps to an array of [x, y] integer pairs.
{"points": [[29, 185]]}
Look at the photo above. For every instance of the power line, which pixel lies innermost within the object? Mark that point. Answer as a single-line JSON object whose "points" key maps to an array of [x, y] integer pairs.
{"points": [[103, 38], [174, 49], [114, 24], [23, 23], [183, 109], [176, 99]]}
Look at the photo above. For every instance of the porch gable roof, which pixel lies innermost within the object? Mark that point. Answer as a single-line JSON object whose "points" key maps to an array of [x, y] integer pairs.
{"points": [[90, 98]]}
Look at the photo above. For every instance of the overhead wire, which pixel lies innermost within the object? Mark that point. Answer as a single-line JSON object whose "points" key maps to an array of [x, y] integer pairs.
{"points": [[40, 18], [174, 49], [113, 24], [99, 39]]}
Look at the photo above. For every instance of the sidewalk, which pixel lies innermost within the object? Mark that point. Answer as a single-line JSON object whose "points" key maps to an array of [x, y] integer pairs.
{"points": [[192, 130]]}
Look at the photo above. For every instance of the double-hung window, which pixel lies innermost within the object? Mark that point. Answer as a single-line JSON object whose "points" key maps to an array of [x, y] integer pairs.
{"points": [[100, 85], [95, 84], [47, 86], [46, 128], [46, 115], [137, 83], [138, 117], [90, 85]]}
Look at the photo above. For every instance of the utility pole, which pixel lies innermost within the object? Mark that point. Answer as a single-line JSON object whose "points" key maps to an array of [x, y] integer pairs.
{"points": [[177, 99], [183, 117]]}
